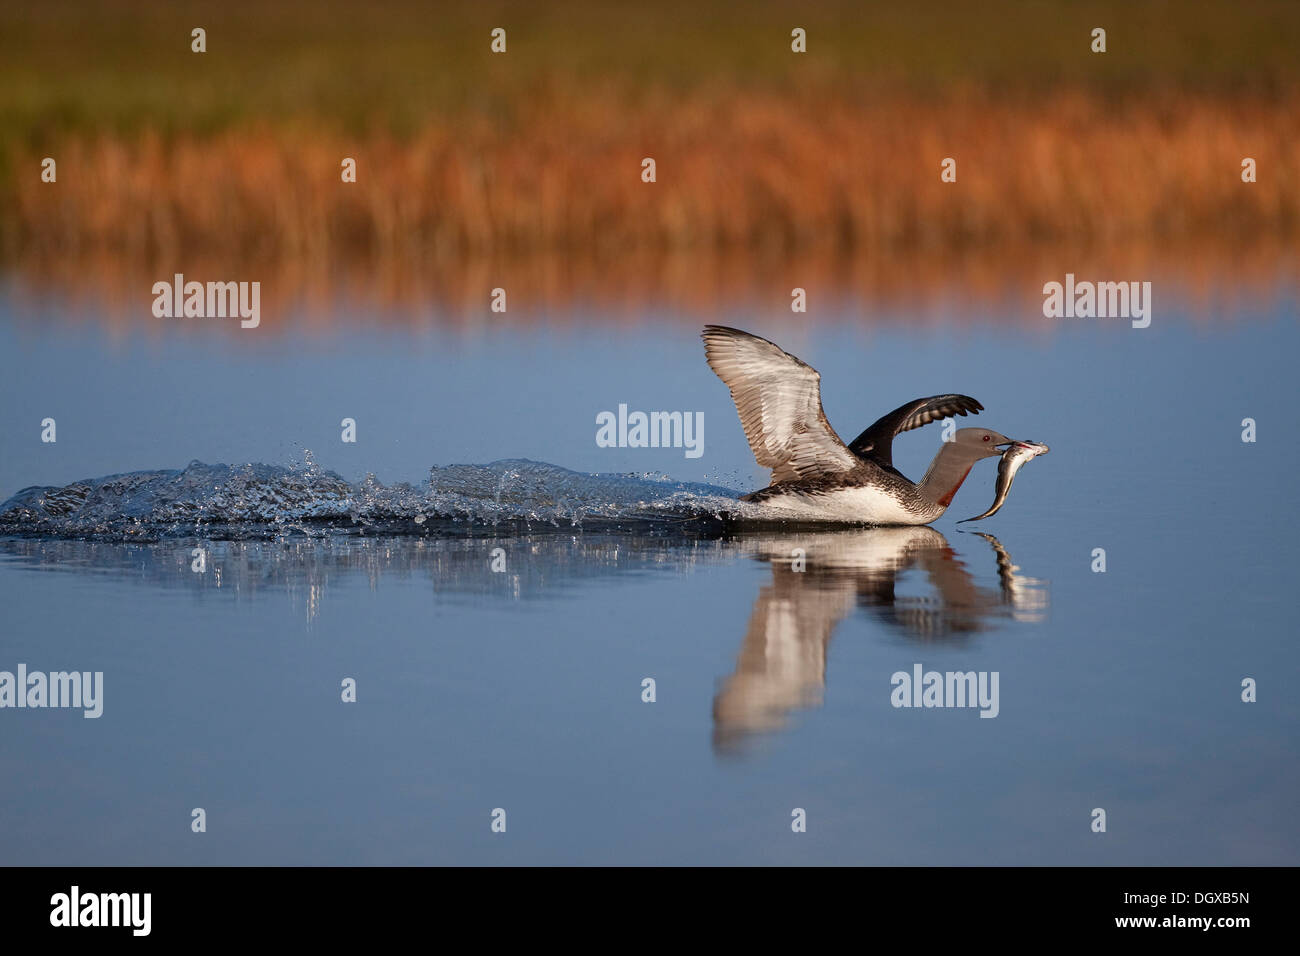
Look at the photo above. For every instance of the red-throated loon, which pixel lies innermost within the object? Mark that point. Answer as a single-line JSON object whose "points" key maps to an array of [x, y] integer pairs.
{"points": [[815, 476]]}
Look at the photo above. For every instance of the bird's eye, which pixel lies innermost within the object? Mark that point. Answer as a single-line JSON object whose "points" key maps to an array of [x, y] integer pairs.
{"points": [[986, 437]]}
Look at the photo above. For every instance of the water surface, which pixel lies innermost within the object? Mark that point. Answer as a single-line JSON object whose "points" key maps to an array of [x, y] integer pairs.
{"points": [[522, 689]]}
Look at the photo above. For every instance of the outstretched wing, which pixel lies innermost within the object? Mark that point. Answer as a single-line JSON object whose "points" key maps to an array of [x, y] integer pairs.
{"points": [[780, 405], [877, 442]]}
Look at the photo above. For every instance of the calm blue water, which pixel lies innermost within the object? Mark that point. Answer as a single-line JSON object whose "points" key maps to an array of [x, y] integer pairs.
{"points": [[522, 689]]}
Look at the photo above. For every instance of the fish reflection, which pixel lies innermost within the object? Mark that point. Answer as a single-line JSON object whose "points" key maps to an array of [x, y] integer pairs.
{"points": [[818, 579]]}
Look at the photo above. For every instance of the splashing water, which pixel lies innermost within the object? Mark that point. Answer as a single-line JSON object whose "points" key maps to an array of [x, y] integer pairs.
{"points": [[263, 501]]}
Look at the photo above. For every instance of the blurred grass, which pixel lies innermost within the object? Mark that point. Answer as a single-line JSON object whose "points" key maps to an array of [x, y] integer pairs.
{"points": [[772, 174], [465, 154]]}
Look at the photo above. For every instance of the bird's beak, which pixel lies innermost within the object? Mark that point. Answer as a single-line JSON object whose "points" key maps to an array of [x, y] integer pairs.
{"points": [[1037, 447]]}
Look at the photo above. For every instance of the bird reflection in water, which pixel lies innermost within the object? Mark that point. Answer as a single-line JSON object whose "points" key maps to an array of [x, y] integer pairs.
{"points": [[782, 663]]}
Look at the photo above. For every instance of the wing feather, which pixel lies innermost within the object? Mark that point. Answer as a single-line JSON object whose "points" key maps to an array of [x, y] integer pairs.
{"points": [[779, 401], [877, 441]]}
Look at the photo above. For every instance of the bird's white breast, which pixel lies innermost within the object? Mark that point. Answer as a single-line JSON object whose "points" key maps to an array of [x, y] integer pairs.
{"points": [[871, 505]]}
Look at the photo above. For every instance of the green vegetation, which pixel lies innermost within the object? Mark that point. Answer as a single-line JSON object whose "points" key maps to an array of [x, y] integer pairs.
{"points": [[90, 66]]}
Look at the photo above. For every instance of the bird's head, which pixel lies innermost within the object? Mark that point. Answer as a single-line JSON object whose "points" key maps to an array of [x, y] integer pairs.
{"points": [[981, 442]]}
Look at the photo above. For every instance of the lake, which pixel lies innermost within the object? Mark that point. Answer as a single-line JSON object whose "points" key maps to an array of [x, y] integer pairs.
{"points": [[504, 659]]}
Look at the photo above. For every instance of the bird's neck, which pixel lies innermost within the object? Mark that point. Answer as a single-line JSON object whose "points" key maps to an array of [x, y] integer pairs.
{"points": [[946, 473]]}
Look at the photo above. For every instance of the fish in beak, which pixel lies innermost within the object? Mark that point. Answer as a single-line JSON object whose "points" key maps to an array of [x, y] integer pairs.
{"points": [[1013, 459]]}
